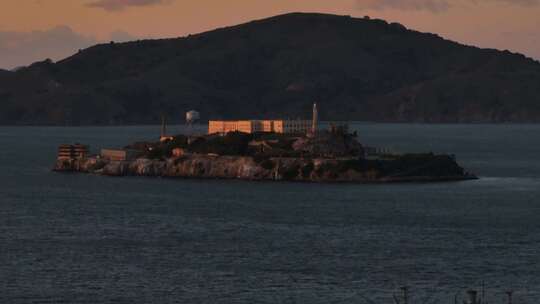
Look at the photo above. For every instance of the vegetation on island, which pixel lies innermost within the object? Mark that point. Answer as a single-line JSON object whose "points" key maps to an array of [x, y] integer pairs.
{"points": [[269, 150], [336, 142], [231, 144]]}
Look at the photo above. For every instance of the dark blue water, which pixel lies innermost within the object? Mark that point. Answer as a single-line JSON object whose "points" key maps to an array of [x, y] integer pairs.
{"points": [[90, 239]]}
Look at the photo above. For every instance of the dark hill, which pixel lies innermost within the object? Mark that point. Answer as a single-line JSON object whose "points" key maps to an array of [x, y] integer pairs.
{"points": [[4, 73], [358, 69]]}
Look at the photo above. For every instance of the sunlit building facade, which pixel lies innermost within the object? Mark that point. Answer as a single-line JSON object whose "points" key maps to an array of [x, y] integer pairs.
{"points": [[276, 126], [253, 126]]}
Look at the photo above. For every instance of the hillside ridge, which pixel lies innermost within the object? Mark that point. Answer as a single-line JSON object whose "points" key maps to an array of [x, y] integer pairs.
{"points": [[356, 68]]}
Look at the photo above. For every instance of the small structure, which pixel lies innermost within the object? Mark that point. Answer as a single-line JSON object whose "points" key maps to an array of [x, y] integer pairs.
{"points": [[69, 152], [163, 135], [120, 154], [192, 116], [178, 152], [471, 297], [379, 153], [509, 294], [65, 152], [80, 151], [267, 147]]}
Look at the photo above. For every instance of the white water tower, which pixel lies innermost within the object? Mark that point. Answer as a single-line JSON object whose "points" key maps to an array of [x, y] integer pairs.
{"points": [[192, 116]]}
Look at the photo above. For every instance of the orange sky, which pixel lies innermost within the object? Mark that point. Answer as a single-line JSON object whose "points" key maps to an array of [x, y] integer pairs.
{"points": [[502, 24]]}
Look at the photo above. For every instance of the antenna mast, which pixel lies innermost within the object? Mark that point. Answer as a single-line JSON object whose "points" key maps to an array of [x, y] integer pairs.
{"points": [[315, 119], [163, 126]]}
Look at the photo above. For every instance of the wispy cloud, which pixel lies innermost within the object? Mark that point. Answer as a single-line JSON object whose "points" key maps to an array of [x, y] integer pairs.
{"points": [[22, 48], [436, 6], [520, 2], [430, 5], [119, 5]]}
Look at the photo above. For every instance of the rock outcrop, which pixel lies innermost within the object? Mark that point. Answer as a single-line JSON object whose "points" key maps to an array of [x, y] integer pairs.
{"points": [[408, 168]]}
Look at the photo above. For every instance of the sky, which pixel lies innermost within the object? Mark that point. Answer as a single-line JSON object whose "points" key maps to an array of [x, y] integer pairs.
{"points": [[33, 30]]}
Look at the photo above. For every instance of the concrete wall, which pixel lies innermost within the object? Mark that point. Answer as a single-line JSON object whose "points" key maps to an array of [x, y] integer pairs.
{"points": [[119, 155]]}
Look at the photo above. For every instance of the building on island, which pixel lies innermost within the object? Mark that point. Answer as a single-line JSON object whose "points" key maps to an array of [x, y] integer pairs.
{"points": [[76, 151], [119, 154], [253, 126], [277, 126], [163, 135]]}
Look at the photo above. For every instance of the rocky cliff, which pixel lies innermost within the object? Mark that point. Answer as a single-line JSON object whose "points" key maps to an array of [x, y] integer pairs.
{"points": [[407, 168]]}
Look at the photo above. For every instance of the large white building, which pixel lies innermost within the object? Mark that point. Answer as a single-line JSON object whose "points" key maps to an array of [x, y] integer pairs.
{"points": [[277, 126]]}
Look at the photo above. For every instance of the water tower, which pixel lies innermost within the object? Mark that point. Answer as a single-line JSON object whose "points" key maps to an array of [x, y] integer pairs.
{"points": [[191, 117]]}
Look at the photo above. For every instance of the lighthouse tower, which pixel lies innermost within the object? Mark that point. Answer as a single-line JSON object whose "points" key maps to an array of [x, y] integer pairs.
{"points": [[315, 120]]}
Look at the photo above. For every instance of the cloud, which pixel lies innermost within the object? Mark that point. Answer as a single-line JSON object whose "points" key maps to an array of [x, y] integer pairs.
{"points": [[430, 5], [23, 48], [435, 6], [119, 5], [519, 2]]}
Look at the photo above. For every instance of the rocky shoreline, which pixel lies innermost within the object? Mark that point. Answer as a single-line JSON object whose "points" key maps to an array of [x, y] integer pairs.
{"points": [[428, 168]]}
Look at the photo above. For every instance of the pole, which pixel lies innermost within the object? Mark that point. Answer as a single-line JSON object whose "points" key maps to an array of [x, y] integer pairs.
{"points": [[405, 291], [509, 293], [314, 119], [163, 126]]}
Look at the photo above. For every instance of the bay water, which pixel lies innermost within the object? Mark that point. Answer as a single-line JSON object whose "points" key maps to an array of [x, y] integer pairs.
{"points": [[75, 238]]}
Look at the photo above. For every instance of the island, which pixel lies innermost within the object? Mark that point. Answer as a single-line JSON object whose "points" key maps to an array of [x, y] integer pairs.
{"points": [[264, 151]]}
